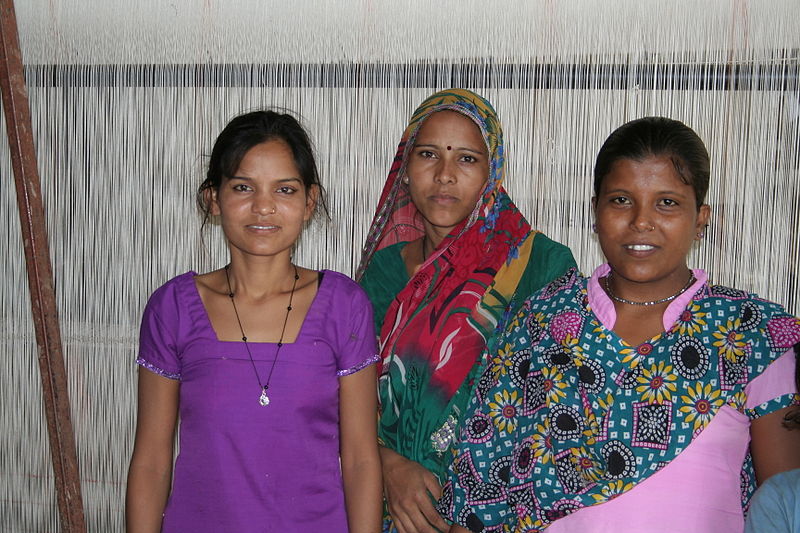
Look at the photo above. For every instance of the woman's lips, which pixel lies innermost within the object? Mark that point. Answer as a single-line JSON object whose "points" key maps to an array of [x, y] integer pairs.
{"points": [[443, 199], [640, 247], [640, 250], [262, 227]]}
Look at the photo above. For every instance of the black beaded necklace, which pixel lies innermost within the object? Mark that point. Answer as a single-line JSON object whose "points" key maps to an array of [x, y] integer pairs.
{"points": [[264, 398]]}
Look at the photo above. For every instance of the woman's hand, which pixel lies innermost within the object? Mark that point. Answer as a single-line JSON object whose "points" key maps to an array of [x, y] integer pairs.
{"points": [[409, 487], [150, 472]]}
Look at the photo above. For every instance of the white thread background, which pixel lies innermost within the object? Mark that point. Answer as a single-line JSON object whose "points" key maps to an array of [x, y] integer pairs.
{"points": [[120, 162]]}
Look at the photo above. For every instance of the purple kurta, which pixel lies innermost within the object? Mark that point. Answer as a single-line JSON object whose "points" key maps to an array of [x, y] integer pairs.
{"points": [[243, 467]]}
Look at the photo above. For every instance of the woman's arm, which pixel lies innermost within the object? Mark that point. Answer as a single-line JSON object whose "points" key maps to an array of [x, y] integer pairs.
{"points": [[361, 467], [774, 447], [150, 471], [774, 438], [409, 487]]}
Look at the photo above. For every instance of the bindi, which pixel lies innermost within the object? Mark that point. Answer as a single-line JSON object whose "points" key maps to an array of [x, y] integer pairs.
{"points": [[449, 148]]}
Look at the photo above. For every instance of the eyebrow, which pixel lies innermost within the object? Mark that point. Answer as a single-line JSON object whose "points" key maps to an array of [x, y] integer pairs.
{"points": [[659, 193], [284, 180], [456, 148]]}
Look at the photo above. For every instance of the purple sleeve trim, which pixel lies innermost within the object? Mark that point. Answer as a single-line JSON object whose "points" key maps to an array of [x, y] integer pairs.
{"points": [[152, 368], [364, 364]]}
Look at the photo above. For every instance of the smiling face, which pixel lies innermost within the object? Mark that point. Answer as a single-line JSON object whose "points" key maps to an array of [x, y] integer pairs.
{"points": [[447, 171], [647, 218], [264, 205]]}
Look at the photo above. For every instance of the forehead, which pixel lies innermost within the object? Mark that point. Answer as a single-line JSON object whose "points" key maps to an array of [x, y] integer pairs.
{"points": [[274, 153], [451, 124], [654, 172]]}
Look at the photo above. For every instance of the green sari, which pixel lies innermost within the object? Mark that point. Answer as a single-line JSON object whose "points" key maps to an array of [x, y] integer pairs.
{"points": [[434, 327]]}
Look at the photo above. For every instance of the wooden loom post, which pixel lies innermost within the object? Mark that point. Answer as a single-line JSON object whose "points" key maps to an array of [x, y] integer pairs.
{"points": [[40, 275]]}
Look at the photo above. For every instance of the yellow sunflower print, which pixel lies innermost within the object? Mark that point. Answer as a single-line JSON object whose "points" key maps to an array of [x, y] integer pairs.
{"points": [[504, 409], [700, 404], [691, 321], [612, 490], [730, 343], [657, 383], [553, 382]]}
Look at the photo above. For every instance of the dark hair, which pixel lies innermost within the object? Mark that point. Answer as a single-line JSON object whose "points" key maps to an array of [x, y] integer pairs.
{"points": [[251, 129], [656, 137]]}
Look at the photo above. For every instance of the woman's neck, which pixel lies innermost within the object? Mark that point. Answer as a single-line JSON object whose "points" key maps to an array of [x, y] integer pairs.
{"points": [[260, 277], [620, 288]]}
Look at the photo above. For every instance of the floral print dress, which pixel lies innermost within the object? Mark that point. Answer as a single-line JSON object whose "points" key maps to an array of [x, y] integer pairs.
{"points": [[568, 415]]}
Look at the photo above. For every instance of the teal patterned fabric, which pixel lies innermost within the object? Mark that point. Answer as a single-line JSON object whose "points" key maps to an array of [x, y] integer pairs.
{"points": [[568, 415]]}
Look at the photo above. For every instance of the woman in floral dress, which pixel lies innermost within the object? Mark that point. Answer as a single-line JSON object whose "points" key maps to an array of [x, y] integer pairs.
{"points": [[643, 398]]}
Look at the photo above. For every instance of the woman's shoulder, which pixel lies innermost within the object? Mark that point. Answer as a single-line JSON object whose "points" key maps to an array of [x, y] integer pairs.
{"points": [[392, 249], [565, 294], [173, 291], [748, 307], [386, 257], [544, 245], [731, 294], [386, 274], [548, 260], [776, 504], [546, 242], [561, 290], [751, 315], [341, 285]]}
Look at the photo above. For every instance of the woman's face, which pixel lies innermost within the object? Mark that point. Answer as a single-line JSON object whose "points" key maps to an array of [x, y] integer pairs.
{"points": [[264, 205], [447, 170], [647, 219]]}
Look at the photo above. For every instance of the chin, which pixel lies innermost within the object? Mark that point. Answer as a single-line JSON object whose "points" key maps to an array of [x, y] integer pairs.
{"points": [[448, 220], [643, 275]]}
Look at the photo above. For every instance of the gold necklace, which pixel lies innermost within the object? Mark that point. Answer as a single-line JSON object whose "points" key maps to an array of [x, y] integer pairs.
{"points": [[264, 398]]}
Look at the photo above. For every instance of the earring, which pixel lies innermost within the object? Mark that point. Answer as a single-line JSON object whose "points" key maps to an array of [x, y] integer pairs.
{"points": [[405, 180], [700, 235], [594, 227]]}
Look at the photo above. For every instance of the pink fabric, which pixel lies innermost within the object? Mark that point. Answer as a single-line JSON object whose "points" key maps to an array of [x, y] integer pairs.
{"points": [[603, 306], [714, 459], [776, 380]]}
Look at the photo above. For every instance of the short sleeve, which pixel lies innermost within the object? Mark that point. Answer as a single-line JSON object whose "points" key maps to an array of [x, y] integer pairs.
{"points": [[774, 388], [158, 342], [357, 346]]}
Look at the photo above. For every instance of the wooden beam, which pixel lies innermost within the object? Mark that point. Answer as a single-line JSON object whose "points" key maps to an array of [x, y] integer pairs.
{"points": [[40, 275]]}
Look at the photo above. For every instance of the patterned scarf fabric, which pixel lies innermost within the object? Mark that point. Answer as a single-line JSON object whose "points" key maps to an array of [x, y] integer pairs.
{"points": [[436, 328]]}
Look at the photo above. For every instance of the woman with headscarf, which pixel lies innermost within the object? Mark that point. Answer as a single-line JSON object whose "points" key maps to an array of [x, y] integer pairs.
{"points": [[445, 254]]}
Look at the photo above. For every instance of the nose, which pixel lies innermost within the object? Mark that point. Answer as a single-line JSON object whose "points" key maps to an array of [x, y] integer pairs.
{"points": [[445, 172], [263, 204], [642, 220]]}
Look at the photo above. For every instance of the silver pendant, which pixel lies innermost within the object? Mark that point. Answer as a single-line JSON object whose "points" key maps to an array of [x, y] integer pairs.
{"points": [[264, 399]]}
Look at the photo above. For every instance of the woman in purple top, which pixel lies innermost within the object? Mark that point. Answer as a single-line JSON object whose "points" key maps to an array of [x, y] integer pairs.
{"points": [[268, 366]]}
